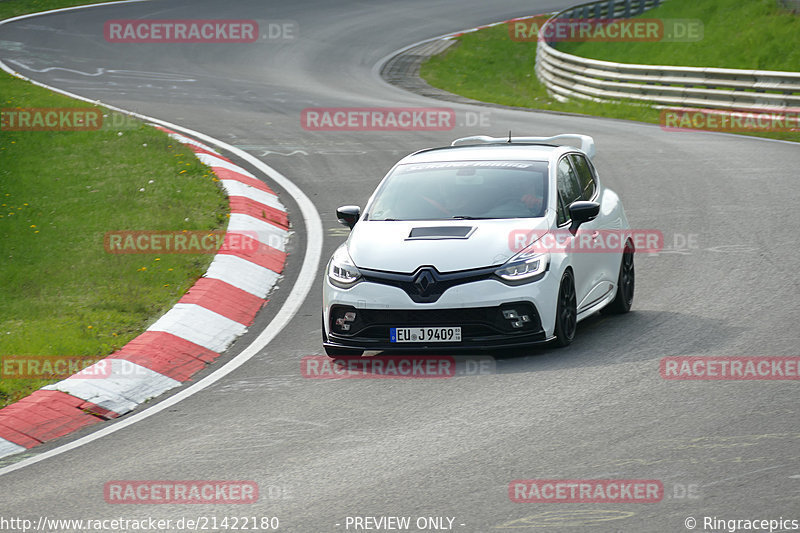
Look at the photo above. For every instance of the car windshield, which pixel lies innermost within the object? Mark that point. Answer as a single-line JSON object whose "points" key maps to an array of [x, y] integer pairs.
{"points": [[462, 190]]}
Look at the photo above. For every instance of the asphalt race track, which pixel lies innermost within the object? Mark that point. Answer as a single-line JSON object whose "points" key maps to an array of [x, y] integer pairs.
{"points": [[325, 450]]}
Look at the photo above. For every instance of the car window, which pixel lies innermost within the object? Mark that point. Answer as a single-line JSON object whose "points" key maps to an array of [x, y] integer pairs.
{"points": [[585, 175], [462, 189], [561, 214], [568, 187]]}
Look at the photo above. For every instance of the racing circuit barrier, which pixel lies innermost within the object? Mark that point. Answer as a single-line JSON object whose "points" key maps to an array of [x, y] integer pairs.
{"points": [[568, 76]]}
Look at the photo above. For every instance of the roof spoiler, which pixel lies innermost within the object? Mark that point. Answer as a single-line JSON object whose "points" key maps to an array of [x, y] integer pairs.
{"points": [[586, 142]]}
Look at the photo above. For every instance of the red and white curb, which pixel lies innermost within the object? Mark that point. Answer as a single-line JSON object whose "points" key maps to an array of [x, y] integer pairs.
{"points": [[203, 324]]}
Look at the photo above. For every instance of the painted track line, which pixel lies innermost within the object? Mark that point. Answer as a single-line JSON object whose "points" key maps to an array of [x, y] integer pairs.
{"points": [[295, 299]]}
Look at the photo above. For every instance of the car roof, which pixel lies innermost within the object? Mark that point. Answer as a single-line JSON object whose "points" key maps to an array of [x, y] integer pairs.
{"points": [[506, 151]]}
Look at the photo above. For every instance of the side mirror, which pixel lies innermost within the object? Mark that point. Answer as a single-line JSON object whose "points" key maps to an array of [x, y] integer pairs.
{"points": [[349, 215], [580, 212]]}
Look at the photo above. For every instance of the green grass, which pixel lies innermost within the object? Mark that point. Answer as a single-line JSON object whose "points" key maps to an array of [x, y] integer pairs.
{"points": [[752, 34], [61, 293], [488, 65], [12, 8]]}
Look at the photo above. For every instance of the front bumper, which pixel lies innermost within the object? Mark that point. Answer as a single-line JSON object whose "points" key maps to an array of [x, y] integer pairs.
{"points": [[480, 309]]}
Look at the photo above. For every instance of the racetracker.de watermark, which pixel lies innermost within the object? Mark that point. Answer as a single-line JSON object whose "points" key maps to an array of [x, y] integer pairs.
{"points": [[65, 119], [386, 367], [75, 367], [51, 119], [396, 367], [182, 242], [385, 119], [605, 30], [730, 120], [199, 31], [730, 368], [52, 367], [585, 491], [170, 492], [585, 241]]}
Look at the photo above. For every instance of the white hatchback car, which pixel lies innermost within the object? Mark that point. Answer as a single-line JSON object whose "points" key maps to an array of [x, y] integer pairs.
{"points": [[484, 244]]}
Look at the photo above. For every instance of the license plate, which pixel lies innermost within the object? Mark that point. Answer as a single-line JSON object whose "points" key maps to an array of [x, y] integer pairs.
{"points": [[451, 334]]}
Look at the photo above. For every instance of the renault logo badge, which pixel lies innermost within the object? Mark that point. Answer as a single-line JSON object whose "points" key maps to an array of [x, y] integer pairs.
{"points": [[424, 281]]}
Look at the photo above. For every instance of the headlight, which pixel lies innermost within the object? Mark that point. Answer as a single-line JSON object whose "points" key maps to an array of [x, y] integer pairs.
{"points": [[525, 267], [342, 272]]}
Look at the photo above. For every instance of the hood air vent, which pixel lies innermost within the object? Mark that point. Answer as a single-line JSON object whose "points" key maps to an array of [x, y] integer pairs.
{"points": [[443, 232]]}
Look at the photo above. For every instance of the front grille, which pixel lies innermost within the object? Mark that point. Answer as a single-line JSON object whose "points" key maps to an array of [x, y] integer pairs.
{"points": [[477, 323], [426, 284]]}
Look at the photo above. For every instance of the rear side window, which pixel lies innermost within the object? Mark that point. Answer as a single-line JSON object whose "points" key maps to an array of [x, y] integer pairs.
{"points": [[568, 187], [585, 175]]}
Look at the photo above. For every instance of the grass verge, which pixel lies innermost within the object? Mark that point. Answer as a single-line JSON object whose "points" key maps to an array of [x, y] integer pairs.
{"points": [[60, 192], [488, 65], [757, 34]]}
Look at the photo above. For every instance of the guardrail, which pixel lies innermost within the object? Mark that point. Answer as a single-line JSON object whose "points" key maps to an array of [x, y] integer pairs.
{"points": [[794, 5], [569, 76]]}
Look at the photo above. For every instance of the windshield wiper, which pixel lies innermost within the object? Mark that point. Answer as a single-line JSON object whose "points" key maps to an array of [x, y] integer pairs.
{"points": [[467, 217]]}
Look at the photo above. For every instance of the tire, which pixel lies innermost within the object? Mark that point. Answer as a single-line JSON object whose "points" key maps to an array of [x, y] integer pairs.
{"points": [[566, 311], [626, 283]]}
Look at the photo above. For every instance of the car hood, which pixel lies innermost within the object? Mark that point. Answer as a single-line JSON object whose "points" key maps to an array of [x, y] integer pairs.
{"points": [[447, 245]]}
